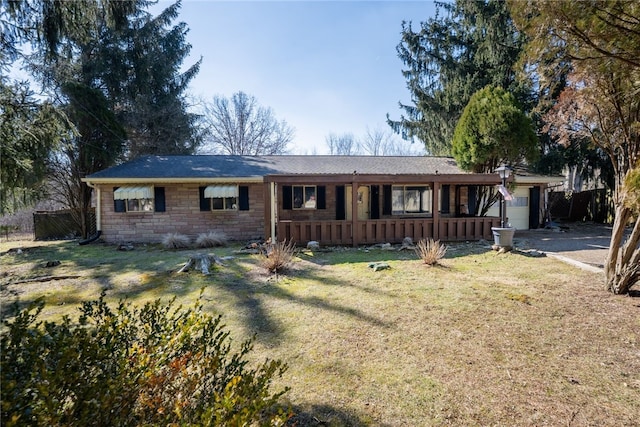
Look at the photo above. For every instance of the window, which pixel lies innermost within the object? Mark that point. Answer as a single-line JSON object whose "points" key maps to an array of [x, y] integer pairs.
{"points": [[138, 199], [224, 198], [139, 205], [409, 200], [304, 196], [518, 202]]}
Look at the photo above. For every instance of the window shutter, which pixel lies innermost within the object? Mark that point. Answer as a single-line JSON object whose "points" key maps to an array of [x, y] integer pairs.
{"points": [[287, 197], [158, 197], [386, 200], [473, 196], [243, 194], [118, 205], [375, 202], [205, 204], [321, 197], [341, 213], [444, 202]]}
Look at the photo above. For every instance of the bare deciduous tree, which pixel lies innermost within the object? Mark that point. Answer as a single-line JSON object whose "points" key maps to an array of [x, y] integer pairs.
{"points": [[342, 145], [600, 103], [240, 126], [381, 142]]}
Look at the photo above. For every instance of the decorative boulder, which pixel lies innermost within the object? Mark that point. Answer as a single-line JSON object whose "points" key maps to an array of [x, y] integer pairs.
{"points": [[313, 245], [377, 266]]}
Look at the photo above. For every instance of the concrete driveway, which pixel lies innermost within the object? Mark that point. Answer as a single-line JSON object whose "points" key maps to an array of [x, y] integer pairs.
{"points": [[584, 243]]}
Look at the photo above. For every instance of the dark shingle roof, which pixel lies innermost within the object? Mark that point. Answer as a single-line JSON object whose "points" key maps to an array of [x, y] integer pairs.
{"points": [[222, 166]]}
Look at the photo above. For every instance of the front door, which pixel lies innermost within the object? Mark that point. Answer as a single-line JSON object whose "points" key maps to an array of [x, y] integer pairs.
{"points": [[363, 202]]}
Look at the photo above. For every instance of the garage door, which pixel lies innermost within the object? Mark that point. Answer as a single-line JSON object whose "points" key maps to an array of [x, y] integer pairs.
{"points": [[517, 209]]}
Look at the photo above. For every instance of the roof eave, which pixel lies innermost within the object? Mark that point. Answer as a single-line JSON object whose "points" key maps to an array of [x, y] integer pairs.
{"points": [[175, 180]]}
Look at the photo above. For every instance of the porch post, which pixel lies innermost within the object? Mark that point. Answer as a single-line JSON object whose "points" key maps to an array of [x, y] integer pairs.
{"points": [[274, 210], [436, 210], [355, 232]]}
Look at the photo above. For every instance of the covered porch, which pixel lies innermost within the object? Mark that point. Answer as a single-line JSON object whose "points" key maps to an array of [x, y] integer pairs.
{"points": [[372, 231], [370, 215]]}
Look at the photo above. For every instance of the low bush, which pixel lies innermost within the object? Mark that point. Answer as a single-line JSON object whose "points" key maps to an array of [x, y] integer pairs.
{"points": [[175, 241], [212, 239], [277, 256], [430, 251], [157, 365]]}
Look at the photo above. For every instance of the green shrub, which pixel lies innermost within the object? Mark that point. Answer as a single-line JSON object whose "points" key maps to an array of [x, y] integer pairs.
{"points": [[155, 365]]}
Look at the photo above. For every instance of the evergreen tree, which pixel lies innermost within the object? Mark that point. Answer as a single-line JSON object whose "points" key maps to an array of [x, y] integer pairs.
{"points": [[29, 130], [473, 45], [97, 142], [492, 131], [140, 69]]}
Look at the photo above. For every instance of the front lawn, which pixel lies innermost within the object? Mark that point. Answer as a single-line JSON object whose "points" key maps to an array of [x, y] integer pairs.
{"points": [[483, 339]]}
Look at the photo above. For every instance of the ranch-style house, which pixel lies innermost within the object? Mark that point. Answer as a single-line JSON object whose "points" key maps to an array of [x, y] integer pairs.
{"points": [[335, 200]]}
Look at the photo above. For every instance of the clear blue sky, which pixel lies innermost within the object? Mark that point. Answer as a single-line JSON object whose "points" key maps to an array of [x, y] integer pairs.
{"points": [[323, 66]]}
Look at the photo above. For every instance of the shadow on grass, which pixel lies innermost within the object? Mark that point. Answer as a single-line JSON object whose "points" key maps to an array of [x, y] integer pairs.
{"points": [[326, 416], [249, 299]]}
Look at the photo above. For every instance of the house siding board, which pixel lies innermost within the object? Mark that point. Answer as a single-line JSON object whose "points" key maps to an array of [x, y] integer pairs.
{"points": [[182, 215]]}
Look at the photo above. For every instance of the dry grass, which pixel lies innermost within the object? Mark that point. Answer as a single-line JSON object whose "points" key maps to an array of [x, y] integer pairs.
{"points": [[430, 251], [480, 339], [277, 256], [175, 241], [212, 239]]}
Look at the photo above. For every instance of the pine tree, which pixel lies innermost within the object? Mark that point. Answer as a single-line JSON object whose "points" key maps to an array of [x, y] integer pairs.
{"points": [[473, 45]]}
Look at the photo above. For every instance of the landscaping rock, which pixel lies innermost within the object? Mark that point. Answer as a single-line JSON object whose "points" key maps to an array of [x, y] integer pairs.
{"points": [[313, 245], [377, 266], [407, 244]]}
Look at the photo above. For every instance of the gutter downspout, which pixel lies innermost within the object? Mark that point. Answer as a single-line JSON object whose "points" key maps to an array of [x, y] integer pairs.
{"points": [[274, 210]]}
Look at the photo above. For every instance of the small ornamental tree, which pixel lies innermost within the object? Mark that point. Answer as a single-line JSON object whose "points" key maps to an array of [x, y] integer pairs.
{"points": [[492, 130], [157, 365]]}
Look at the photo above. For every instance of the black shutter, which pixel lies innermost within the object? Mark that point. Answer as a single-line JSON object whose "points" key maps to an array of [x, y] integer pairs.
{"points": [[205, 204], [321, 197], [534, 207], [473, 199], [118, 205], [375, 202], [244, 198], [444, 201], [341, 213], [386, 200], [287, 197], [158, 196]]}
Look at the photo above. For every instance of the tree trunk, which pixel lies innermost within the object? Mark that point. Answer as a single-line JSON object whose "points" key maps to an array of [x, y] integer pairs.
{"points": [[622, 266], [201, 262]]}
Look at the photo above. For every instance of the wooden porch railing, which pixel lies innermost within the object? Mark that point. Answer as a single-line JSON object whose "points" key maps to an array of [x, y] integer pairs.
{"points": [[386, 230]]}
